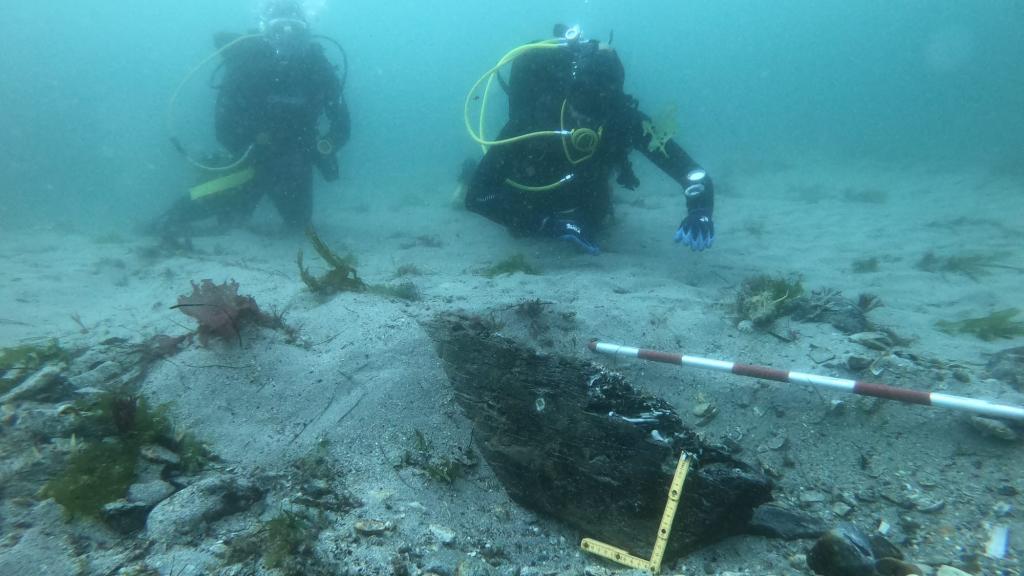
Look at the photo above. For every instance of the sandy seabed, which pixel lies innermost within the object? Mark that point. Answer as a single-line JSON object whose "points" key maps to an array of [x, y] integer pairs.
{"points": [[364, 379]]}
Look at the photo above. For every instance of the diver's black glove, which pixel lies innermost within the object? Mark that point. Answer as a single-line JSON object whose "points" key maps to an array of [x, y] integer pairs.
{"points": [[627, 178], [697, 230], [327, 159]]}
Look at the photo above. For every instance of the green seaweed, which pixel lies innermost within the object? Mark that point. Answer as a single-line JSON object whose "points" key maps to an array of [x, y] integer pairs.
{"points": [[511, 265], [96, 474], [284, 543], [134, 420], [19, 362], [445, 470], [342, 276], [114, 428], [195, 455], [763, 298], [999, 324], [125, 416], [287, 538]]}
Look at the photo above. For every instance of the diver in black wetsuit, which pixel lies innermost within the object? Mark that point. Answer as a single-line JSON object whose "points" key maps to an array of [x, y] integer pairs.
{"points": [[559, 186], [276, 85]]}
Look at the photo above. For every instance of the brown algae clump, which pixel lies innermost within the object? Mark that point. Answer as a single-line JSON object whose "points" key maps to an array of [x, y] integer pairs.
{"points": [[764, 298], [999, 324], [511, 265], [342, 276]]}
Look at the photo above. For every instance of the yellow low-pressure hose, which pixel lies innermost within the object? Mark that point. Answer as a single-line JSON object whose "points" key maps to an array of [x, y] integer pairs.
{"points": [[174, 100], [487, 80], [583, 140]]}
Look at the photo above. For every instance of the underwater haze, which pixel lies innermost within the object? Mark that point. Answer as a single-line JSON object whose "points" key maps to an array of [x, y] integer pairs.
{"points": [[432, 376], [85, 88]]}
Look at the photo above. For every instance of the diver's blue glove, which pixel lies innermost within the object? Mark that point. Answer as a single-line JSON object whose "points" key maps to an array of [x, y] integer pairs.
{"points": [[571, 231], [697, 230]]}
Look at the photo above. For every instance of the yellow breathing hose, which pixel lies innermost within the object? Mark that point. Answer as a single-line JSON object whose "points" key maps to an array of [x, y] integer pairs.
{"points": [[584, 140], [173, 102], [478, 136]]}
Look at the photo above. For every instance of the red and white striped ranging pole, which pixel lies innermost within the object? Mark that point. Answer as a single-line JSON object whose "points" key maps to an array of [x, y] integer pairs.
{"points": [[980, 407]]}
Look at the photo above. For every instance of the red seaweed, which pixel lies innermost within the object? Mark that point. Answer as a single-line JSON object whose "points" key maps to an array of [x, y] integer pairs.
{"points": [[219, 310]]}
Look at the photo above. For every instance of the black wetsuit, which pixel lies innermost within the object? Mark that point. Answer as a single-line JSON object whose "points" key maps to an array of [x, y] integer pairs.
{"points": [[574, 86], [274, 105]]}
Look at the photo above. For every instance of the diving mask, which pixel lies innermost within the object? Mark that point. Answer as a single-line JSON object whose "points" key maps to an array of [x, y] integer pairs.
{"points": [[286, 35]]}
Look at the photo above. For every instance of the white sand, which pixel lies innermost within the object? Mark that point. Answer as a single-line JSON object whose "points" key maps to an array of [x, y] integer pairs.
{"points": [[371, 376]]}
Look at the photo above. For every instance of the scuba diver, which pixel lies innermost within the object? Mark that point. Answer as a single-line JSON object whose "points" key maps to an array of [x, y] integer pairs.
{"points": [[277, 83], [570, 125]]}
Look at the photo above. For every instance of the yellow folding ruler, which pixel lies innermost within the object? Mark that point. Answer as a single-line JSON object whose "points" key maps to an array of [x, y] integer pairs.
{"points": [[620, 556]]}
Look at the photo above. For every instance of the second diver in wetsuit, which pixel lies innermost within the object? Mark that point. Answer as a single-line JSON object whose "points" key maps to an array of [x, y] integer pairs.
{"points": [[559, 186]]}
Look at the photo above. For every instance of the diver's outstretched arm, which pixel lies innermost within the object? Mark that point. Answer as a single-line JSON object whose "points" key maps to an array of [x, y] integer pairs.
{"points": [[671, 157], [697, 230], [674, 161]]}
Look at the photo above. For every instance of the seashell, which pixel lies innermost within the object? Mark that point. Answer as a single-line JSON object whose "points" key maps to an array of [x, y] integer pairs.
{"points": [[998, 541], [703, 409], [993, 428], [929, 506], [371, 527], [875, 340]]}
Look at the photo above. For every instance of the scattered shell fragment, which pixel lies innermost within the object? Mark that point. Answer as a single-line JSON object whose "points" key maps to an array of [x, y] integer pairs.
{"points": [[776, 443], [874, 340], [157, 453], [837, 406], [841, 509], [42, 381], [857, 363], [879, 365], [703, 409], [812, 496], [993, 428], [1002, 508], [820, 355], [998, 541], [443, 535], [371, 527], [950, 571], [929, 506]]}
